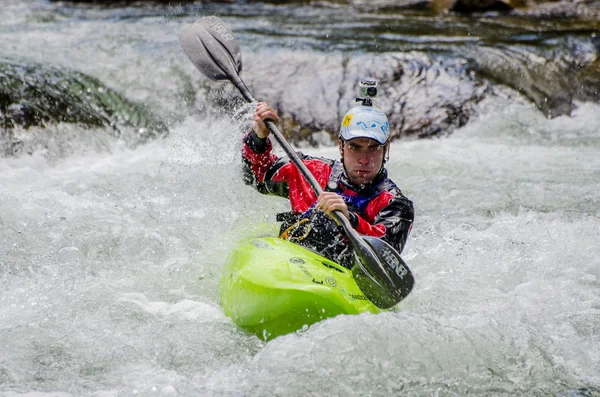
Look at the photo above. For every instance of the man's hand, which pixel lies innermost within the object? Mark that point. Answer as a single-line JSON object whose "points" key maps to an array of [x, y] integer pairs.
{"points": [[263, 112], [330, 201]]}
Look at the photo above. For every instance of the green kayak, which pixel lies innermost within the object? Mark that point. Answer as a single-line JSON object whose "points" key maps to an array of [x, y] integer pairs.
{"points": [[272, 287]]}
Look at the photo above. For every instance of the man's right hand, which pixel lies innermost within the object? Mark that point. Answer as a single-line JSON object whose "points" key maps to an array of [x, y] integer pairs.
{"points": [[262, 113]]}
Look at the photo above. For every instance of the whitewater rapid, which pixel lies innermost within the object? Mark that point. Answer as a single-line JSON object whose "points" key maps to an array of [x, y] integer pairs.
{"points": [[111, 252], [111, 262]]}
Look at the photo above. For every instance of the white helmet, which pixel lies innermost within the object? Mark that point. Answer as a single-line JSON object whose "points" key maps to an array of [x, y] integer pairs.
{"points": [[365, 122]]}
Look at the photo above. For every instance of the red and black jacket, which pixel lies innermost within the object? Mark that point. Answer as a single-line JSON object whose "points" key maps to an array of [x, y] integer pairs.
{"points": [[378, 209]]}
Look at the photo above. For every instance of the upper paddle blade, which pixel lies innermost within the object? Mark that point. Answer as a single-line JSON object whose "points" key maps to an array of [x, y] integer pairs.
{"points": [[389, 280], [211, 46]]}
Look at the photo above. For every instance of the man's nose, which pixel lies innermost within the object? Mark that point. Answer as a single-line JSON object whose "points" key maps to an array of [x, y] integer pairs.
{"points": [[364, 157]]}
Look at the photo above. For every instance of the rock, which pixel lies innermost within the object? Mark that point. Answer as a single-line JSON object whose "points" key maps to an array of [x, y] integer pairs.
{"points": [[422, 96], [41, 95], [470, 6]]}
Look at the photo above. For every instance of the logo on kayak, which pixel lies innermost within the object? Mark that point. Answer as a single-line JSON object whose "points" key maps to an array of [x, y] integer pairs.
{"points": [[300, 263], [353, 297], [261, 244], [329, 280]]}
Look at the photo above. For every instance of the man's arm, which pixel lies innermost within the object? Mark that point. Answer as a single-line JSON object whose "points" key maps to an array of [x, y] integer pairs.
{"points": [[397, 217], [257, 156], [257, 153]]}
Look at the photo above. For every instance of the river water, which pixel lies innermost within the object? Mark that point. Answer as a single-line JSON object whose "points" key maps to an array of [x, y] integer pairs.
{"points": [[110, 255]]}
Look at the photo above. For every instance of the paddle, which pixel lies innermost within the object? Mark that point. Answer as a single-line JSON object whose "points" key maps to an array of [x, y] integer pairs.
{"points": [[379, 271]]}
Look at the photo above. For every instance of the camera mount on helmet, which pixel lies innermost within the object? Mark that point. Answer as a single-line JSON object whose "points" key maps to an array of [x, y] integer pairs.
{"points": [[367, 91]]}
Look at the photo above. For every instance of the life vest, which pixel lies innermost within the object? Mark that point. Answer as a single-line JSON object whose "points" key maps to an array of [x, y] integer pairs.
{"points": [[356, 202]]}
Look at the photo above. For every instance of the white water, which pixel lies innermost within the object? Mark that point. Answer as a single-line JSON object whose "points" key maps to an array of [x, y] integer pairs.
{"points": [[110, 260], [109, 278]]}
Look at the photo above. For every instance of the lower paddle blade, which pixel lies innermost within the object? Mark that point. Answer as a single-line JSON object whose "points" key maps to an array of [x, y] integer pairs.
{"points": [[389, 280], [212, 48]]}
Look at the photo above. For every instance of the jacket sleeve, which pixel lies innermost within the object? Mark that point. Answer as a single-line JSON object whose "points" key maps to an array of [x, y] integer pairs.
{"points": [[257, 160], [392, 223]]}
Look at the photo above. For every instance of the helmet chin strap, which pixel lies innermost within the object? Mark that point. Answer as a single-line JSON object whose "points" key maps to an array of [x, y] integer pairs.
{"points": [[386, 156]]}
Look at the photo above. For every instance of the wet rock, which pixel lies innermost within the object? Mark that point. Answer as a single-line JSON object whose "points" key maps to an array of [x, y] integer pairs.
{"points": [[42, 95], [587, 81], [589, 10], [553, 84], [422, 96], [541, 80], [391, 6], [539, 8], [470, 6], [432, 68]]}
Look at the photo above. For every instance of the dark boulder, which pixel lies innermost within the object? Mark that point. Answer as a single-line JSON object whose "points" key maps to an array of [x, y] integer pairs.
{"points": [[41, 95]]}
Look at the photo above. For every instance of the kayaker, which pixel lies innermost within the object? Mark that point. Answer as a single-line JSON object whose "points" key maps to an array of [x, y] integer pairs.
{"points": [[357, 185]]}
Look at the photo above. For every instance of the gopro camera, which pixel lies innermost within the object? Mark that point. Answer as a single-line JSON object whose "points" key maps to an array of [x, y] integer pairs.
{"points": [[368, 88], [367, 91]]}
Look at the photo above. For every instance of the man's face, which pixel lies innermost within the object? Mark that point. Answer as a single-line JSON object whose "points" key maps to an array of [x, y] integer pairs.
{"points": [[363, 158]]}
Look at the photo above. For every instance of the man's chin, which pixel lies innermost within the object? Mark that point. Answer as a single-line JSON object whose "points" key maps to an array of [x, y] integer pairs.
{"points": [[361, 179]]}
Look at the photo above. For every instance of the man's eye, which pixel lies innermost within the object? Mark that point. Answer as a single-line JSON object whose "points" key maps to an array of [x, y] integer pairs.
{"points": [[374, 148]]}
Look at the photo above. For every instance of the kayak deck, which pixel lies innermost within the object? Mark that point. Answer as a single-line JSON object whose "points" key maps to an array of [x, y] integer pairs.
{"points": [[272, 287]]}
